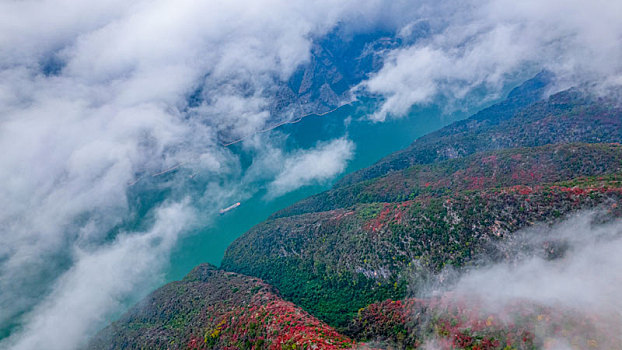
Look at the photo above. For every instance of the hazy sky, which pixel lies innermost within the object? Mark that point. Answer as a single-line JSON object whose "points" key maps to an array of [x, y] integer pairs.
{"points": [[94, 93]]}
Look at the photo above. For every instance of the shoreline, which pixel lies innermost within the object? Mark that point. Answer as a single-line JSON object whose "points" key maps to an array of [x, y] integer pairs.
{"points": [[227, 144], [246, 137]]}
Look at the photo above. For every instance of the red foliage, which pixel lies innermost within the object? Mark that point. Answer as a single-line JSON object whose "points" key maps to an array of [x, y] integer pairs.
{"points": [[520, 189], [457, 323], [390, 213], [490, 159], [272, 323]]}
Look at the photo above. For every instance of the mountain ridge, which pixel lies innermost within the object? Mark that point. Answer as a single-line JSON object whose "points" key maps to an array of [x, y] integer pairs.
{"points": [[344, 258]]}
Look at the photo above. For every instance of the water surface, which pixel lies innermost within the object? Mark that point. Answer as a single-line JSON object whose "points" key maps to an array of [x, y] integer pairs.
{"points": [[373, 141]]}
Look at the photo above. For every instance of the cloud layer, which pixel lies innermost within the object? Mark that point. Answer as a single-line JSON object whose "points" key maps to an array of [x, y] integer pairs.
{"points": [[585, 280], [587, 277], [487, 44], [94, 286], [95, 98], [317, 165]]}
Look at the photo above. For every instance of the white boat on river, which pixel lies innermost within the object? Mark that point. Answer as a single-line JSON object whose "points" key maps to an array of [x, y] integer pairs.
{"points": [[231, 207]]}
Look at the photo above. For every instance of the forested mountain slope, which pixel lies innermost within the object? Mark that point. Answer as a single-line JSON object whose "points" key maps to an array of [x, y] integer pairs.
{"points": [[444, 200], [568, 116], [519, 166], [214, 309], [333, 263], [450, 201]]}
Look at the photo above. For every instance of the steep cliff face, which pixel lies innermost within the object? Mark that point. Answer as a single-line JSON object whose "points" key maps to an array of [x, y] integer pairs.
{"points": [[215, 309], [336, 64]]}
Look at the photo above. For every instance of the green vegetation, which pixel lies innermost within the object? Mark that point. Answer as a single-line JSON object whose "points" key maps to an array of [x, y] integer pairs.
{"points": [[445, 201], [519, 166], [214, 309], [566, 117], [333, 263]]}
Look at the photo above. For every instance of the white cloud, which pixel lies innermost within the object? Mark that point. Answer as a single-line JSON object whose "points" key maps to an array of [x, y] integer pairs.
{"points": [[587, 277], [487, 44], [317, 165], [98, 281], [585, 281], [93, 95]]}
